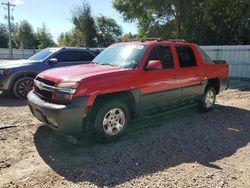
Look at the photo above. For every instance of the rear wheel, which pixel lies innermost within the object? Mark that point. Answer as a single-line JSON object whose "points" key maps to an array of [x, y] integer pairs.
{"points": [[208, 99], [22, 87], [111, 120]]}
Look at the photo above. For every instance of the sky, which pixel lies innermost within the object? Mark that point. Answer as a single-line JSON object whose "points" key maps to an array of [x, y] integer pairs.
{"points": [[56, 14]]}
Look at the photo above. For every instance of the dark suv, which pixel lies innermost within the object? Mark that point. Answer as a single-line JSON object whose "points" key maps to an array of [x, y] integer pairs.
{"points": [[17, 76]]}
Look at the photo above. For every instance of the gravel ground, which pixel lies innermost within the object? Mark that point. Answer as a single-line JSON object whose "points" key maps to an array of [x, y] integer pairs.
{"points": [[180, 149]]}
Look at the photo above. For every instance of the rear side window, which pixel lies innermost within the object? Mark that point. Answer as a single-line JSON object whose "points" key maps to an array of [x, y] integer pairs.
{"points": [[186, 56], [72, 56], [86, 56], [164, 54], [206, 59]]}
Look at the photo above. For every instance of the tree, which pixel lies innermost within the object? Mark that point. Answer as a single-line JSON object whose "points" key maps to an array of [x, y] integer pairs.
{"points": [[85, 29], [64, 39], [88, 32], [129, 37], [231, 24], [25, 37], [201, 21], [67, 39], [150, 14], [217, 22], [44, 38], [3, 36], [108, 31], [14, 27]]}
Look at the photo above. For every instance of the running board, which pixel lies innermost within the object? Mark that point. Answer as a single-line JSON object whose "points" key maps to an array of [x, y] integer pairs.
{"points": [[160, 113]]}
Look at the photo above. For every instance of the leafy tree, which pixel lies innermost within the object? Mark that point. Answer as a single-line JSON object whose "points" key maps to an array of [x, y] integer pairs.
{"points": [[85, 29], [14, 27], [68, 38], [204, 22], [88, 32], [25, 37], [151, 14], [218, 22], [108, 31], [4, 35], [44, 38], [129, 37], [231, 24], [4, 38], [64, 39]]}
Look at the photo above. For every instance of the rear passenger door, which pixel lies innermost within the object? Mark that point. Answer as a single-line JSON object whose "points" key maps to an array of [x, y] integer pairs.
{"points": [[73, 57], [158, 87], [188, 74]]}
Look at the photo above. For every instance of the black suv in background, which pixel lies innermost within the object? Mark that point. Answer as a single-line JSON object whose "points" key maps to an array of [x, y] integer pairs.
{"points": [[17, 75]]}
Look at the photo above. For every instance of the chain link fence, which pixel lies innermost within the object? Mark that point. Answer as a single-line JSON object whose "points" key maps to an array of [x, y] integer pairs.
{"points": [[17, 53], [237, 57]]}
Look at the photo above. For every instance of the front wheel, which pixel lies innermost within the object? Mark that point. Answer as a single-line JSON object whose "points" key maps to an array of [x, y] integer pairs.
{"points": [[208, 99], [111, 120], [22, 87]]}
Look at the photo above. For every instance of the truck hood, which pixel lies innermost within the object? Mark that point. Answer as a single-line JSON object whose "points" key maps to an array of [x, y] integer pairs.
{"points": [[77, 72], [8, 64]]}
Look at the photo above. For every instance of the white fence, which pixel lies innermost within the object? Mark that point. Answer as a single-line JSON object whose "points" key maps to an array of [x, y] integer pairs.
{"points": [[17, 53], [237, 57]]}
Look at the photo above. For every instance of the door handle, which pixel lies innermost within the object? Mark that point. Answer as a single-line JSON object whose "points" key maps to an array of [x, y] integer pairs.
{"points": [[198, 73], [175, 76]]}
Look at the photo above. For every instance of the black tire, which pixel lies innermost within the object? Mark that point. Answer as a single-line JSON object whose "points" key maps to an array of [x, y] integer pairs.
{"points": [[22, 87], [208, 99], [103, 113]]}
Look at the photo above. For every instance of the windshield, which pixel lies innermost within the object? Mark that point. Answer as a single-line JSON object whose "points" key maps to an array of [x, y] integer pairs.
{"points": [[43, 54], [121, 55]]}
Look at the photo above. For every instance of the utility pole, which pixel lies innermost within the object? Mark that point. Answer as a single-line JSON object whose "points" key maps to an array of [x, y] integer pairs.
{"points": [[9, 27]]}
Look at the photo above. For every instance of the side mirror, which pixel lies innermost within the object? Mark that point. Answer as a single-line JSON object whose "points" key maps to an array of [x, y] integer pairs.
{"points": [[53, 61], [154, 65]]}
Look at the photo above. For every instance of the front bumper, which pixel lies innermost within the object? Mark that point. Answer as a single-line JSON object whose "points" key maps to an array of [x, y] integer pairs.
{"points": [[5, 82], [64, 118]]}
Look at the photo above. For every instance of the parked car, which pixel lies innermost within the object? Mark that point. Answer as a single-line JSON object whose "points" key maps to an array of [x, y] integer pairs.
{"points": [[18, 75], [124, 81]]}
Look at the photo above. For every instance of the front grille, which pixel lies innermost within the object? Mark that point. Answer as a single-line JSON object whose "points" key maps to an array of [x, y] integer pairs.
{"points": [[44, 94]]}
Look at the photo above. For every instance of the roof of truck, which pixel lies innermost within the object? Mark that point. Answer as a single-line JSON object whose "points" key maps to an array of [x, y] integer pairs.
{"points": [[159, 41]]}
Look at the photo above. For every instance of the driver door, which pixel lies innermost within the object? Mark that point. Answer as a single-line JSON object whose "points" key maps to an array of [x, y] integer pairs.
{"points": [[159, 87]]}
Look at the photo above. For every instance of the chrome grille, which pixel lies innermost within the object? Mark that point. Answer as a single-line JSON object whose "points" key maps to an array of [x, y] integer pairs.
{"points": [[44, 94]]}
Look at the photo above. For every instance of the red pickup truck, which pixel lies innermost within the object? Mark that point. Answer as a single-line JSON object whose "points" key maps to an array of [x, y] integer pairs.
{"points": [[124, 81]]}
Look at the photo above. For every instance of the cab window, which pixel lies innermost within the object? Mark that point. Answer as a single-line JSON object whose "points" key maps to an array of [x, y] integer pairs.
{"points": [[186, 56], [164, 54], [206, 59]]}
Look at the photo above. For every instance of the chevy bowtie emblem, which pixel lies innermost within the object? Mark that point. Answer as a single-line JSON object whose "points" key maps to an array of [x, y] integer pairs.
{"points": [[39, 85]]}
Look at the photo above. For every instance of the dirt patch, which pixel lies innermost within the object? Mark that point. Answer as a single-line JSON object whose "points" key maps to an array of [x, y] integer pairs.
{"points": [[181, 149]]}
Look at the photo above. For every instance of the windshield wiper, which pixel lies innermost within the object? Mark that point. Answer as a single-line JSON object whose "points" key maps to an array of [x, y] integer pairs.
{"points": [[113, 65]]}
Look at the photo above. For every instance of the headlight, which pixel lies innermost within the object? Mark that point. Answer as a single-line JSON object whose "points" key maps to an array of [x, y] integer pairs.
{"points": [[67, 87], [65, 91], [71, 85], [5, 72]]}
